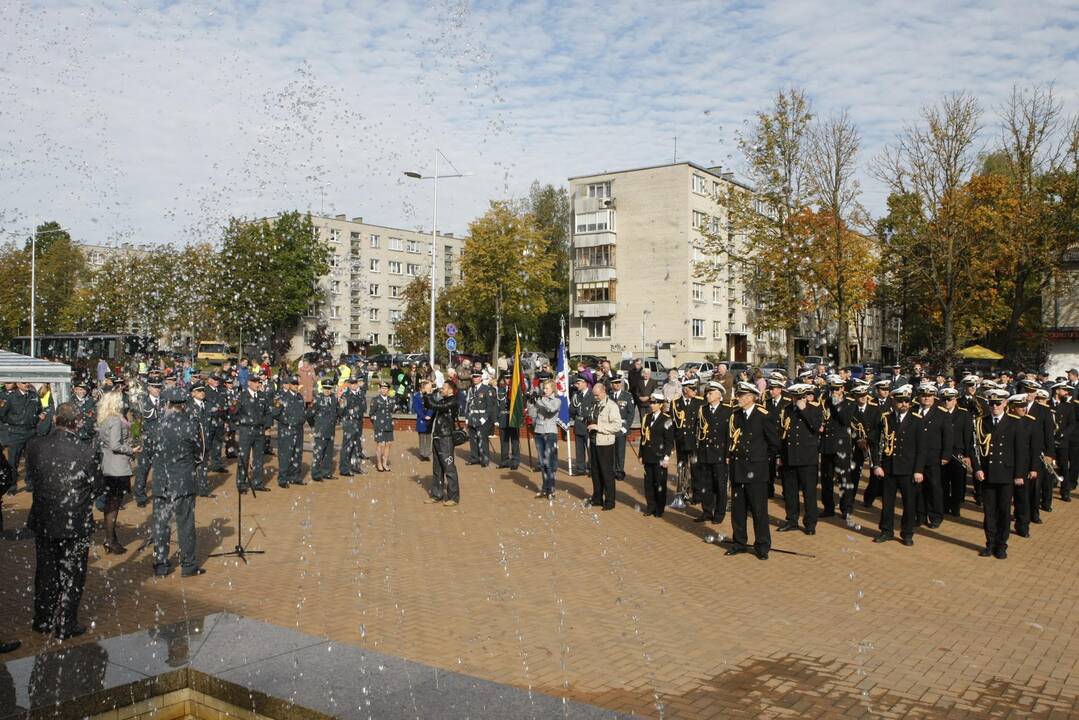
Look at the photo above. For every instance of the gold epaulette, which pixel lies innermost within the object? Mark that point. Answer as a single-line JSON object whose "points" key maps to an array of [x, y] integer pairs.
{"points": [[961, 409], [1032, 419], [764, 410]]}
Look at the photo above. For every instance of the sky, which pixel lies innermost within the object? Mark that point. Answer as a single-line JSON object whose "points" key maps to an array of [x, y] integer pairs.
{"points": [[155, 122]]}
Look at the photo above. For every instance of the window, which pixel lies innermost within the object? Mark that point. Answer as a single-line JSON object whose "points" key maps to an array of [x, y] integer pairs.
{"points": [[700, 220], [335, 287], [595, 221], [396, 244], [391, 340], [335, 311], [595, 292], [374, 264], [313, 309], [373, 338], [372, 314], [376, 242], [715, 189], [335, 261], [395, 291], [394, 267], [412, 246], [372, 290], [698, 292], [335, 235], [698, 328], [597, 329], [700, 185], [412, 269], [354, 236], [698, 254], [395, 315], [599, 190], [599, 256], [717, 294], [717, 330]]}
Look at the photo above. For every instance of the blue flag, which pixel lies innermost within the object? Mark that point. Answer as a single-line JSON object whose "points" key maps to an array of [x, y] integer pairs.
{"points": [[562, 384]]}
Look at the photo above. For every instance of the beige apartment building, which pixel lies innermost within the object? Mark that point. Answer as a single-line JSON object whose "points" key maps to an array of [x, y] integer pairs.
{"points": [[1060, 315], [637, 244], [370, 267]]}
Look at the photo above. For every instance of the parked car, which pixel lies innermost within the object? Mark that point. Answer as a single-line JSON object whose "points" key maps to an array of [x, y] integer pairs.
{"points": [[813, 360], [770, 367], [705, 370], [856, 371], [383, 360], [415, 358], [659, 370], [590, 361], [738, 367]]}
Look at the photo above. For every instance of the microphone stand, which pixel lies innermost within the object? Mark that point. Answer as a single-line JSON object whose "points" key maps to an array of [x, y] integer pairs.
{"points": [[240, 551]]}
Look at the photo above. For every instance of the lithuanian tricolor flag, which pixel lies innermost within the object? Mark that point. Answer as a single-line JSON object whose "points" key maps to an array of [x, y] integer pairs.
{"points": [[517, 393]]}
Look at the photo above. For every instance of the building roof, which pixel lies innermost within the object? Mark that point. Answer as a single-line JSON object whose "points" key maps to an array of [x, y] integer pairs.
{"points": [[23, 368], [711, 171]]}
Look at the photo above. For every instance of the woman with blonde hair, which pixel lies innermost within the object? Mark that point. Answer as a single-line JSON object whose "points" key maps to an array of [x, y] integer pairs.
{"points": [[114, 438]]}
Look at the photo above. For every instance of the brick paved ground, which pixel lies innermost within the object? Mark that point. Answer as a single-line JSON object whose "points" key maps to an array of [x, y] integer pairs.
{"points": [[636, 614]]}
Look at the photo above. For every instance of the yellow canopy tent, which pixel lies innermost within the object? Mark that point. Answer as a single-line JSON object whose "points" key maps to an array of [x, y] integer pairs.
{"points": [[977, 352]]}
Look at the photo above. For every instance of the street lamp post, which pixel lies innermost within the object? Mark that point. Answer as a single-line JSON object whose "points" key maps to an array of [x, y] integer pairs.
{"points": [[434, 237]]}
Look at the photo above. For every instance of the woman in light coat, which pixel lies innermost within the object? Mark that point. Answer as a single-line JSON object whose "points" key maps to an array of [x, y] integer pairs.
{"points": [[117, 451], [544, 412]]}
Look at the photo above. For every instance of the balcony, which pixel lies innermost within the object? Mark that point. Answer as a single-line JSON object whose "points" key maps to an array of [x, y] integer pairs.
{"points": [[592, 239], [604, 273], [594, 309], [592, 204]]}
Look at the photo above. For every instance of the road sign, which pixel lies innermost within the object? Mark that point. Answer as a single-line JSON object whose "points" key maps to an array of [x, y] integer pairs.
{"points": [[451, 329], [451, 344]]}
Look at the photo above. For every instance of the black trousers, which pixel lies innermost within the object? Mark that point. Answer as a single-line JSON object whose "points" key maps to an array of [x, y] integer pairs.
{"points": [[1025, 500], [830, 463], [215, 438], [478, 451], [800, 479], [888, 486], [601, 461], [849, 492], [620, 456], [15, 450], [509, 446], [580, 454], [142, 469], [445, 485], [289, 455], [997, 504], [751, 498], [1046, 483], [182, 509], [351, 446], [712, 489], [954, 486], [655, 488], [251, 451], [59, 578], [930, 494], [1073, 467], [321, 457], [774, 476]]}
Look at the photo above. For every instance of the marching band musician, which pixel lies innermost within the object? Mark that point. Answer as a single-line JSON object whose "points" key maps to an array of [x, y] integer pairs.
{"points": [[937, 441], [713, 421], [898, 462], [1000, 462], [657, 444], [865, 422], [799, 435], [836, 448], [774, 404], [684, 416], [954, 482], [753, 439]]}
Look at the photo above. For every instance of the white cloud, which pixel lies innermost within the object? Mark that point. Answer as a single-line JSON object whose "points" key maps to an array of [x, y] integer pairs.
{"points": [[125, 122]]}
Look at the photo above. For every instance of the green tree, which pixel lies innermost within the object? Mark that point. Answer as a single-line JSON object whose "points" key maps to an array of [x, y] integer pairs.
{"points": [[551, 208], [61, 266]]}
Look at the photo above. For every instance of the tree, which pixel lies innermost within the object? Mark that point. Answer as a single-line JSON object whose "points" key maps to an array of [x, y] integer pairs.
{"points": [[842, 258], [507, 274], [551, 208], [774, 251]]}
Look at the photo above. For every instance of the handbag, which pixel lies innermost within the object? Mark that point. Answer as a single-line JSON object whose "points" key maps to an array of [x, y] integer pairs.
{"points": [[460, 437]]}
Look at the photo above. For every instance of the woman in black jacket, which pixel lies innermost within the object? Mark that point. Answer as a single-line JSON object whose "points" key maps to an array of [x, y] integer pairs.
{"points": [[443, 406]]}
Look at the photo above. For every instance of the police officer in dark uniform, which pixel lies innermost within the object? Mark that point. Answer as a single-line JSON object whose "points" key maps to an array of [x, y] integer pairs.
{"points": [[774, 403], [1038, 408], [217, 401], [713, 431], [752, 440], [623, 398], [896, 378], [199, 410], [481, 410], [657, 446], [87, 409], [353, 405], [20, 412], [685, 412], [1025, 498], [250, 415], [322, 416], [149, 409], [580, 409], [954, 480], [864, 426], [1065, 411], [898, 462], [510, 437], [290, 414], [178, 452], [1000, 462], [799, 445], [836, 448], [937, 442]]}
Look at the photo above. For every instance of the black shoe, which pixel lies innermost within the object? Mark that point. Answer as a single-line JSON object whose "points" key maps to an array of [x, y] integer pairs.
{"points": [[932, 525], [827, 514], [142, 503], [162, 572], [908, 542], [344, 474], [1023, 533], [242, 491], [1065, 498], [1036, 520], [1001, 554], [593, 502], [985, 552], [1046, 508], [883, 537], [762, 556], [193, 573], [6, 647], [810, 531], [73, 631], [605, 507], [283, 486], [786, 527], [703, 518], [42, 629], [735, 550]]}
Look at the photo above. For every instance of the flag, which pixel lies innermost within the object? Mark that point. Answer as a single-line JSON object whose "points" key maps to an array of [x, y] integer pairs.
{"points": [[562, 384], [517, 393]]}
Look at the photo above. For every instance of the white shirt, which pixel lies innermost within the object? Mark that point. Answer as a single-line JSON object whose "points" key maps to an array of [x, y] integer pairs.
{"points": [[749, 411]]}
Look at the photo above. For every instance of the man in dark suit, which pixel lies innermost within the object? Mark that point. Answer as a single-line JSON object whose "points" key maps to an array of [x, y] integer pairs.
{"points": [[864, 426], [580, 408], [954, 481], [800, 441], [1000, 462], [937, 441], [753, 439], [178, 450], [20, 412], [898, 462], [774, 404], [713, 429], [62, 471], [657, 446], [836, 448], [1025, 497], [251, 415], [896, 378]]}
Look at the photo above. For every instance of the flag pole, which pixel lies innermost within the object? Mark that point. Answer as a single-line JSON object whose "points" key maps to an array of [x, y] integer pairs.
{"points": [[565, 367]]}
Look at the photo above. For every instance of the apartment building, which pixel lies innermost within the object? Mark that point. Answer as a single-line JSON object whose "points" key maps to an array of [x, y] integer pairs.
{"points": [[1060, 315], [370, 267]]}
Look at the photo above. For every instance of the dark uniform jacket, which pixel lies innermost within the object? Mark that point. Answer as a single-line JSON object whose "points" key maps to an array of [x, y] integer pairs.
{"points": [[62, 470], [177, 450], [866, 423], [252, 411], [751, 442], [290, 412], [580, 409], [1066, 425], [962, 433], [353, 407], [323, 414], [382, 413], [1030, 431], [713, 431], [657, 438], [481, 406], [201, 415], [800, 434], [20, 414], [684, 414], [1002, 452], [217, 401], [87, 408], [149, 413], [836, 435], [901, 449], [936, 434], [445, 414], [627, 405], [1043, 414], [973, 404]]}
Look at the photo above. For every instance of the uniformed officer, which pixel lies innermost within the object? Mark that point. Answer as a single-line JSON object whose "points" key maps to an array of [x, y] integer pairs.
{"points": [[481, 411], [218, 404], [149, 409], [353, 404], [968, 397], [713, 431], [883, 389], [896, 378], [898, 462], [199, 410], [382, 409], [322, 416], [684, 414], [1038, 408], [836, 448], [1025, 498], [799, 444], [291, 414], [580, 409], [179, 449], [1000, 461], [250, 415], [20, 412], [87, 409], [954, 480], [774, 404], [864, 426], [657, 446], [1067, 417], [232, 399], [751, 441], [510, 437], [937, 443], [623, 398], [445, 485]]}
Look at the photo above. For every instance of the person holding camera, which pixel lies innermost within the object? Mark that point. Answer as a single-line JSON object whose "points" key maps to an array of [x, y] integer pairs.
{"points": [[445, 485], [544, 412]]}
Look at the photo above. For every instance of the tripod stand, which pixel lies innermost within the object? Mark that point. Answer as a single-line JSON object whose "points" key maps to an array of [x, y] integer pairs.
{"points": [[240, 551]]}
